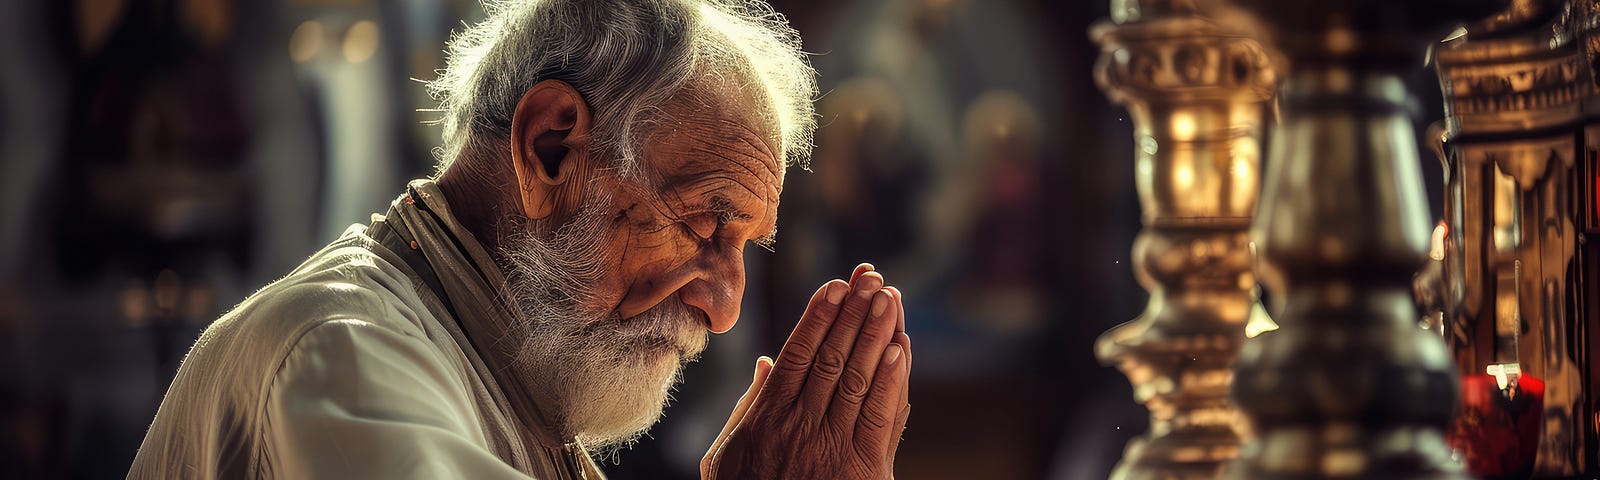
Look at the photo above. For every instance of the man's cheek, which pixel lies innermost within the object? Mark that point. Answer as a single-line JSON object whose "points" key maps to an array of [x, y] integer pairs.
{"points": [[649, 256]]}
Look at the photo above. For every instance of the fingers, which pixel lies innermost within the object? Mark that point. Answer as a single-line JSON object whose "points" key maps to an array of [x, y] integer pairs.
{"points": [[829, 362], [860, 269], [899, 428], [740, 409], [900, 322], [763, 369], [794, 362], [874, 436], [900, 336], [904, 341], [865, 357], [899, 432]]}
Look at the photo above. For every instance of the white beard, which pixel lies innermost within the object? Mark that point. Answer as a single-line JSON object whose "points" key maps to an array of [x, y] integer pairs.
{"points": [[610, 377]]}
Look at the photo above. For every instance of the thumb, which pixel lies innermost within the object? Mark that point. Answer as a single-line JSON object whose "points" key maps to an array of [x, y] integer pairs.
{"points": [[763, 370]]}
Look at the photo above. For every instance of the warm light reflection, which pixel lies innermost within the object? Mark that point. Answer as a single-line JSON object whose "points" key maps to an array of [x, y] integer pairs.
{"points": [[1436, 248], [305, 41], [1244, 153], [1183, 175], [1182, 126], [361, 41], [1260, 322], [1507, 232]]}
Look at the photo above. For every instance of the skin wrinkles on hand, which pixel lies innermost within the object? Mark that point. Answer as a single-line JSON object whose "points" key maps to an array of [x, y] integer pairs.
{"points": [[802, 419]]}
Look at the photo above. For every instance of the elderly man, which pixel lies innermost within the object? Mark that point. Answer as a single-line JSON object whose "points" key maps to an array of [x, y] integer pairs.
{"points": [[607, 162]]}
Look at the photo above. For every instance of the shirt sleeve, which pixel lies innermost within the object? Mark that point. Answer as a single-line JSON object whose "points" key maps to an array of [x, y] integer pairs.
{"points": [[357, 400]]}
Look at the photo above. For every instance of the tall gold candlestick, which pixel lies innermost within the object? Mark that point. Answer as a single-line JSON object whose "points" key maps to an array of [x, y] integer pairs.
{"points": [[1197, 94], [1349, 386]]}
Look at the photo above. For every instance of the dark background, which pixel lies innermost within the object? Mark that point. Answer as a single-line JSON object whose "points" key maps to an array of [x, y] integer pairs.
{"points": [[161, 159]]}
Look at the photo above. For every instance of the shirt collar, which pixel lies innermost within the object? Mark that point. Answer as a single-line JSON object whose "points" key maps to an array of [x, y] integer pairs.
{"points": [[475, 290]]}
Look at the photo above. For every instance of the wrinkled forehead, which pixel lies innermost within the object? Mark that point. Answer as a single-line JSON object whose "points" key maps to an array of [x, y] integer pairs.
{"points": [[727, 113]]}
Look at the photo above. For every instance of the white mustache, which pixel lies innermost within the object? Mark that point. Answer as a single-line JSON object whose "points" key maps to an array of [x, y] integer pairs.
{"points": [[669, 324]]}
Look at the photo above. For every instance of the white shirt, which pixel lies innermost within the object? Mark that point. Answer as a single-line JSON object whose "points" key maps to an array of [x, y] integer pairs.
{"points": [[353, 367]]}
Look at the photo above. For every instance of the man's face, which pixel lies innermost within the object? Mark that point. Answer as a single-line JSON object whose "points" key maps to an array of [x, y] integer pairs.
{"points": [[623, 293], [713, 180]]}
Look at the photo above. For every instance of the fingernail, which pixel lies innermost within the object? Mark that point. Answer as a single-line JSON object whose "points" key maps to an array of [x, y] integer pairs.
{"points": [[893, 355], [835, 293], [759, 360], [880, 304], [866, 287]]}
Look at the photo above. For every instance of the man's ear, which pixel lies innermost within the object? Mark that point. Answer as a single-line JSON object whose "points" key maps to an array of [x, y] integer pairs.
{"points": [[549, 146]]}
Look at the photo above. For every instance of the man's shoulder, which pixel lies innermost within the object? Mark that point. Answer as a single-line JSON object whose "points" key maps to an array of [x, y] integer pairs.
{"points": [[351, 279], [345, 306]]}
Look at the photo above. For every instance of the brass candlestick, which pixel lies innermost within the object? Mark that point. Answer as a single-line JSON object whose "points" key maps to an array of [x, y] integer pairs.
{"points": [[1349, 386], [1518, 146], [1197, 94]]}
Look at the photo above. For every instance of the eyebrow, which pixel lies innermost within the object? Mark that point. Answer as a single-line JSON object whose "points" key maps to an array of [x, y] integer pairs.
{"points": [[729, 212], [768, 241]]}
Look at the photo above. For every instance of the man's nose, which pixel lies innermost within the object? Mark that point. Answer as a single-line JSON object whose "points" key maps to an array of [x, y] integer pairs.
{"points": [[717, 292]]}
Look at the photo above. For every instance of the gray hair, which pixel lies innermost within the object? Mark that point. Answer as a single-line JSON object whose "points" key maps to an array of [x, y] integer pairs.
{"points": [[626, 58]]}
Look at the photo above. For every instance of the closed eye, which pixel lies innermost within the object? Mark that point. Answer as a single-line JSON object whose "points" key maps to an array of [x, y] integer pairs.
{"points": [[704, 225], [715, 216]]}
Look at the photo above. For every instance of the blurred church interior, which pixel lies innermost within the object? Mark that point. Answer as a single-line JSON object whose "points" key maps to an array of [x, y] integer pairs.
{"points": [[1024, 169]]}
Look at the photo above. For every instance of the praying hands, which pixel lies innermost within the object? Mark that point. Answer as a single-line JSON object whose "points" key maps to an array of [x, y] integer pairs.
{"points": [[834, 403]]}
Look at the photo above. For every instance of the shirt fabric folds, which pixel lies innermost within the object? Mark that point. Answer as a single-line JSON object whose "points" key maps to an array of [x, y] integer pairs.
{"points": [[361, 363]]}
